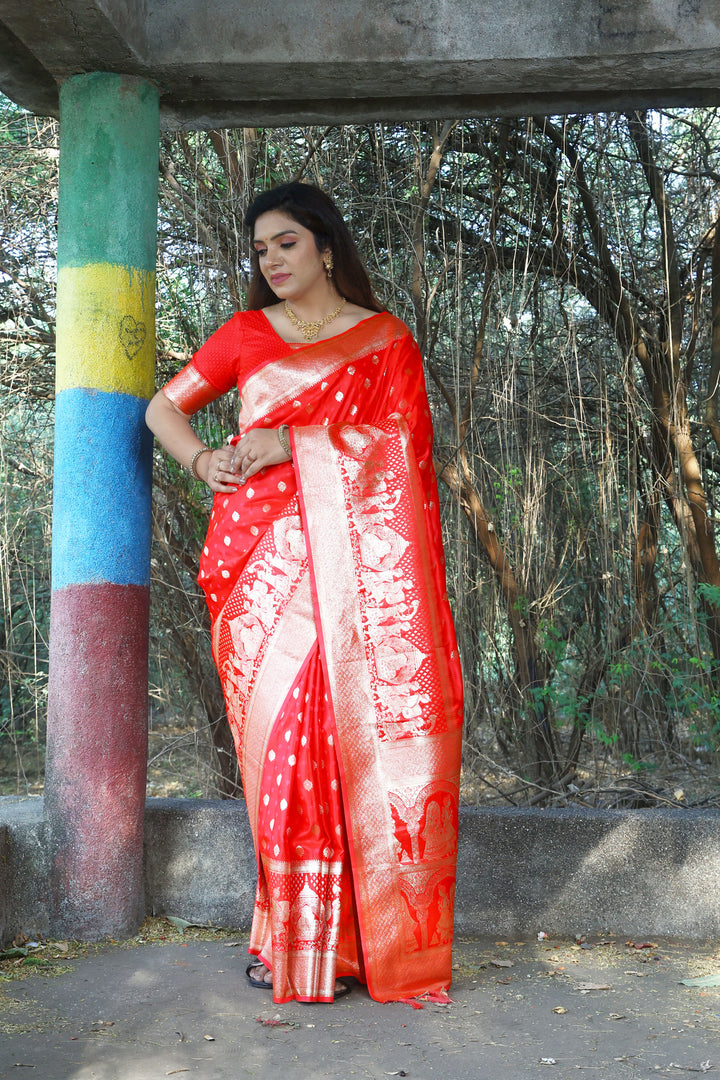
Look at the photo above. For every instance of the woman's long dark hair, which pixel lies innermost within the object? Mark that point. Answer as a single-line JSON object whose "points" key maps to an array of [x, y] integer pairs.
{"points": [[316, 211]]}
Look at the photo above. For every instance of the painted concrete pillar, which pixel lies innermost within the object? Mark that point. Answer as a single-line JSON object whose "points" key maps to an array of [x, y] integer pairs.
{"points": [[97, 707]]}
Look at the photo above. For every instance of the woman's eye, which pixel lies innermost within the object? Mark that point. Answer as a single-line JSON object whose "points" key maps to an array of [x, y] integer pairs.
{"points": [[288, 244], [260, 252]]}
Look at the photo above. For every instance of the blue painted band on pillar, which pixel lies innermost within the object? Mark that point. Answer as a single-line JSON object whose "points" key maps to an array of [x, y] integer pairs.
{"points": [[103, 478]]}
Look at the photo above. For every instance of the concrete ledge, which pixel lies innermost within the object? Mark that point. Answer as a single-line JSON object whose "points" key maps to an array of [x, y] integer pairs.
{"points": [[199, 861], [641, 873], [635, 872], [24, 868]]}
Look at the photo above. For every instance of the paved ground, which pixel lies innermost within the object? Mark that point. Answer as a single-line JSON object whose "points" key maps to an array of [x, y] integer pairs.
{"points": [[548, 1010]]}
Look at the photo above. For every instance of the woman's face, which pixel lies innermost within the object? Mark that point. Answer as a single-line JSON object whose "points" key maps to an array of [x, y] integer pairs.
{"points": [[288, 256]]}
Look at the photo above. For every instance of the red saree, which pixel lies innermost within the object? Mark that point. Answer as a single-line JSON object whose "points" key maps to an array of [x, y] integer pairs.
{"points": [[334, 643]]}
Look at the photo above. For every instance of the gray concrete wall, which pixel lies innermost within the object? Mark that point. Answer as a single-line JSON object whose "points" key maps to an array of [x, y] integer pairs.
{"points": [[199, 861], [641, 873], [634, 872], [24, 868]]}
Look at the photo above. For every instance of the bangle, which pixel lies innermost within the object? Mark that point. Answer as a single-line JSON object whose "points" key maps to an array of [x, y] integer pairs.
{"points": [[191, 467], [283, 434]]}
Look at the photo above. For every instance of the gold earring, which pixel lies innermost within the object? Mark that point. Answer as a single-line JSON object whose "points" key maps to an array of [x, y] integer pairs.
{"points": [[328, 264]]}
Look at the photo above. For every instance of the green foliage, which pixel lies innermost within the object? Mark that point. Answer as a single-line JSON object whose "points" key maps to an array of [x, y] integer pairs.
{"points": [[709, 593], [637, 766], [552, 642]]}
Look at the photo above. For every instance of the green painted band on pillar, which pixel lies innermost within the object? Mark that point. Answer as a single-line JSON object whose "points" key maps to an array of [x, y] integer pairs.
{"points": [[108, 171]]}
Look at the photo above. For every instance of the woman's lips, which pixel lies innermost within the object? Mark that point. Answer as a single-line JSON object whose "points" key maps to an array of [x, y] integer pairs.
{"points": [[277, 279]]}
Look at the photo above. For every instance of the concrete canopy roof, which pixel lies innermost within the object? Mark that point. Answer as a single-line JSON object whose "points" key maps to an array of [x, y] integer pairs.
{"points": [[248, 62]]}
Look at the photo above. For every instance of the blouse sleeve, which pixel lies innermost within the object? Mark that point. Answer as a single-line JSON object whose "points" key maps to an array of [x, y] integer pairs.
{"points": [[212, 372]]}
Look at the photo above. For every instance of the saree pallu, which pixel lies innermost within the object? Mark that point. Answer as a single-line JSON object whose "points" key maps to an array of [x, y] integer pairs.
{"points": [[335, 647]]}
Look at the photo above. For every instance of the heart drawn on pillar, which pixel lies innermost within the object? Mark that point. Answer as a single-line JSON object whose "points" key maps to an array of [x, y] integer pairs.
{"points": [[132, 336]]}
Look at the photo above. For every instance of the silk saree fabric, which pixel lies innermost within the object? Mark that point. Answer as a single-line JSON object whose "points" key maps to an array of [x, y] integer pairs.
{"points": [[334, 642]]}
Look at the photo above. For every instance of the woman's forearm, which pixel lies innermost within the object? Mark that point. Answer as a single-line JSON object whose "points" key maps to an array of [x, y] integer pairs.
{"points": [[172, 429]]}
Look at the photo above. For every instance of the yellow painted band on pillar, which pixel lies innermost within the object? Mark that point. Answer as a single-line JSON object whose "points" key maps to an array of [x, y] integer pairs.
{"points": [[106, 329]]}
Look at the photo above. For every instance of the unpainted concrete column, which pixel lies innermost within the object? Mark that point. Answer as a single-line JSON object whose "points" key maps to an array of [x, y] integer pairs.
{"points": [[97, 708]]}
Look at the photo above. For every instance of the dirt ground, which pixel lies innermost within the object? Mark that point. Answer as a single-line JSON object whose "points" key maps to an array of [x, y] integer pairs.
{"points": [[167, 1004]]}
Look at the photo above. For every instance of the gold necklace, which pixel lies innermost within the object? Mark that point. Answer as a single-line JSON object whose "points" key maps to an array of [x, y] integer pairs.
{"points": [[310, 330]]}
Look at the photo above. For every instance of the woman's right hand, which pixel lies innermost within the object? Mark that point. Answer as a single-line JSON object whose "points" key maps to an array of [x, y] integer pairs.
{"points": [[215, 467]]}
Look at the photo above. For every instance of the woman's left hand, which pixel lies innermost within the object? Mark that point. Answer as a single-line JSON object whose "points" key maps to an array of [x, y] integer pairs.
{"points": [[256, 450]]}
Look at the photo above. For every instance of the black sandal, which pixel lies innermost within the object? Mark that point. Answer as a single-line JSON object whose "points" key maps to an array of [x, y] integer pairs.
{"points": [[260, 984], [257, 984]]}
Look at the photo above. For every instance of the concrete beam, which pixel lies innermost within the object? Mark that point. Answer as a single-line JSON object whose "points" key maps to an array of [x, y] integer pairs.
{"points": [[641, 873], [220, 63]]}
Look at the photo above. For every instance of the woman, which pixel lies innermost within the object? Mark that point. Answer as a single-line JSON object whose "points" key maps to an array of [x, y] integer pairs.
{"points": [[324, 576]]}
